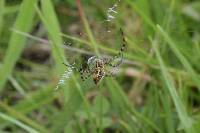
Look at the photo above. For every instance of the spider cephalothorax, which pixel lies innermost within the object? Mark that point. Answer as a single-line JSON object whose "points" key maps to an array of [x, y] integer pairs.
{"points": [[97, 66]]}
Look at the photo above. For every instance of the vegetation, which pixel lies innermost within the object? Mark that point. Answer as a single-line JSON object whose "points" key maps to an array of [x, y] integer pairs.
{"points": [[157, 88]]}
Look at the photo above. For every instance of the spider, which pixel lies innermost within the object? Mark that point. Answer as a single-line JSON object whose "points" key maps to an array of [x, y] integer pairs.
{"points": [[97, 66]]}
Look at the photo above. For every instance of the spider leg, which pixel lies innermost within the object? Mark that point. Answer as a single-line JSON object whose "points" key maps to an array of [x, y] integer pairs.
{"points": [[119, 55], [70, 66], [82, 72], [85, 73], [109, 74]]}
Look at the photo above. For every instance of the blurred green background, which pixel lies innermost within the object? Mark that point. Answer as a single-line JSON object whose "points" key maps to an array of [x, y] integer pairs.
{"points": [[155, 90]]}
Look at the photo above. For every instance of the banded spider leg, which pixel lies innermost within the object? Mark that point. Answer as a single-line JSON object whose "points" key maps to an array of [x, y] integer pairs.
{"points": [[119, 55], [84, 72]]}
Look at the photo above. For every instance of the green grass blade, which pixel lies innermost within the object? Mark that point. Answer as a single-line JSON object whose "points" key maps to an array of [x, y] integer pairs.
{"points": [[2, 11], [17, 86], [18, 123], [12, 9], [124, 104], [146, 19], [87, 27], [63, 117], [180, 56], [168, 112], [17, 42], [36, 100], [22, 117], [184, 118], [49, 19]]}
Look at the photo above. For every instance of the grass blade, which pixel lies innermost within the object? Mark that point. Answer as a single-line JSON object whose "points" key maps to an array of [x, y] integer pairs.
{"points": [[49, 19], [22, 117], [123, 103], [18, 123], [87, 27], [182, 59], [2, 11], [17, 42], [184, 118]]}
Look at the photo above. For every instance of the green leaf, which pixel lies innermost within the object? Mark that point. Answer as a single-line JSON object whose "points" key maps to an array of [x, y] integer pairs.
{"points": [[101, 105], [103, 122]]}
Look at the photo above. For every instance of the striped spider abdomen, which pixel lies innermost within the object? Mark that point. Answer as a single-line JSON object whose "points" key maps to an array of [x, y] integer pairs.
{"points": [[99, 71]]}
